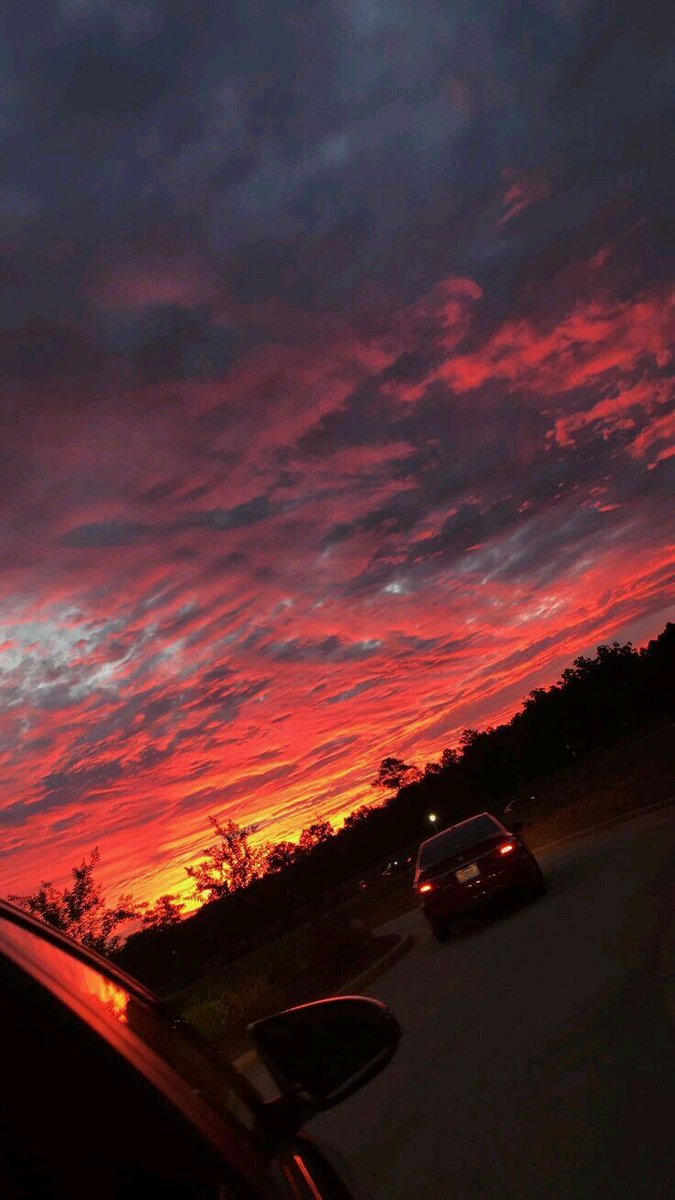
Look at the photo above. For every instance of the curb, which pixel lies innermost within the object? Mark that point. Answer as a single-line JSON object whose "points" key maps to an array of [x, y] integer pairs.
{"points": [[616, 820], [380, 965]]}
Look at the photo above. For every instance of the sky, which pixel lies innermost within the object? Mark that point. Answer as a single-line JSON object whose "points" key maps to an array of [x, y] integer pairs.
{"points": [[337, 398]]}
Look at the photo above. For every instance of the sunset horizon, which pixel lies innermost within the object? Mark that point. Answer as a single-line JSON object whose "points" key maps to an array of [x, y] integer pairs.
{"points": [[263, 831], [337, 403]]}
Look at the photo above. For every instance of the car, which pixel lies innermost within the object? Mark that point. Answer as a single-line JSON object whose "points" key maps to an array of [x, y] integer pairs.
{"points": [[106, 1094], [396, 866], [465, 866], [521, 808]]}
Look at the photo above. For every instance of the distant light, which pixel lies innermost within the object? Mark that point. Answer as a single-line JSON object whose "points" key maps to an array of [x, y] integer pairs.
{"points": [[433, 817]]}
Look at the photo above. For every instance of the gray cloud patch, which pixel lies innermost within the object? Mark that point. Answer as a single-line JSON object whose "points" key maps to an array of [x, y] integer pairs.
{"points": [[61, 788], [357, 690], [102, 534], [106, 73], [337, 743], [327, 650]]}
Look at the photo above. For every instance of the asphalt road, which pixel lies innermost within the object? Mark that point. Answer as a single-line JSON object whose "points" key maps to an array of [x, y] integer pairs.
{"points": [[538, 1053]]}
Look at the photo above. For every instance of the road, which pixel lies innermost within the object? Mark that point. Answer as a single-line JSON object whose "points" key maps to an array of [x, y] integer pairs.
{"points": [[538, 1055]]}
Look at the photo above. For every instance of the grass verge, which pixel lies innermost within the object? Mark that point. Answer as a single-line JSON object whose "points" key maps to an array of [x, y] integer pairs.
{"points": [[304, 965]]}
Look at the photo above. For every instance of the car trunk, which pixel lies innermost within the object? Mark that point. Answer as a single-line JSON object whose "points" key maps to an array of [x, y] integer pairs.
{"points": [[442, 874]]}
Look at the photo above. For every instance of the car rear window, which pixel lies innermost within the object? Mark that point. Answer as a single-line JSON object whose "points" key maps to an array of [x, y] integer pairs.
{"points": [[456, 839]]}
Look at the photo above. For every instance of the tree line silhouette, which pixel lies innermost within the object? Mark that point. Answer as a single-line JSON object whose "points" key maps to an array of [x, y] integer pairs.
{"points": [[250, 893]]}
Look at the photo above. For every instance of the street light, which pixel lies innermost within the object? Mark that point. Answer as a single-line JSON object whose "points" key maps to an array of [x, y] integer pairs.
{"points": [[433, 817]]}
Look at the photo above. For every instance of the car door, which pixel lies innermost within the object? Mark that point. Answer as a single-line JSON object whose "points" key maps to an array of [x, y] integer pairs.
{"points": [[103, 1095]]}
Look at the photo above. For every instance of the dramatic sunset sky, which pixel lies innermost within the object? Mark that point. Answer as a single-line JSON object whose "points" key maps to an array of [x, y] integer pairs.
{"points": [[337, 400]]}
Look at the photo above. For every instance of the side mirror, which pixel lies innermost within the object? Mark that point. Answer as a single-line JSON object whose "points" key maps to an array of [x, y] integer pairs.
{"points": [[319, 1053]]}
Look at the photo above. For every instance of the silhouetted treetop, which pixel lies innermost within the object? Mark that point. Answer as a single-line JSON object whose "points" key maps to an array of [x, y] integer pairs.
{"points": [[316, 833], [281, 856], [166, 911], [394, 773], [80, 910], [229, 864]]}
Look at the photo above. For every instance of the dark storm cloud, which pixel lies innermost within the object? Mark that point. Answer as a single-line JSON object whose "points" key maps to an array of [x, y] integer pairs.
{"points": [[292, 103], [326, 650], [180, 346], [107, 533], [40, 348], [100, 78], [79, 783], [61, 786], [241, 515], [113, 62], [102, 534], [371, 144], [59, 789]]}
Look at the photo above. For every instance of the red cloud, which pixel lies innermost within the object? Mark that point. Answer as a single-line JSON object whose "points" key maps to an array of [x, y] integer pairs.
{"points": [[594, 338], [616, 411], [149, 279], [659, 435], [524, 188]]}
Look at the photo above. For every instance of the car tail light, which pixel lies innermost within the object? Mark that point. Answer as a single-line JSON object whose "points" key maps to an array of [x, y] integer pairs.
{"points": [[426, 887], [506, 848]]}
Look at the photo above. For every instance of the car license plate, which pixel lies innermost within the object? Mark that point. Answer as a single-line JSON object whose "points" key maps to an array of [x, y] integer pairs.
{"points": [[467, 873]]}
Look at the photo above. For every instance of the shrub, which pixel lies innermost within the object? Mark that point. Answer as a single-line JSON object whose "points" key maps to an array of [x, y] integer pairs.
{"points": [[335, 943], [211, 1017]]}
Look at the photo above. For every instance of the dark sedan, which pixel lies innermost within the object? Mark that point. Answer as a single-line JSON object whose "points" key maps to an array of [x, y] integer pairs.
{"points": [[467, 865], [105, 1094]]}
